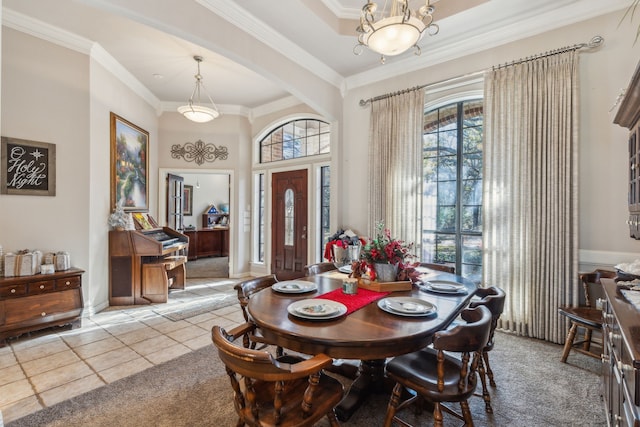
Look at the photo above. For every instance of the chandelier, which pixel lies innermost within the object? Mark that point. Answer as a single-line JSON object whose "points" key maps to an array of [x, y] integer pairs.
{"points": [[401, 30], [195, 110]]}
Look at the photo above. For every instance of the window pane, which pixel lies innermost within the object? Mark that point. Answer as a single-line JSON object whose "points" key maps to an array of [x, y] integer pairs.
{"points": [[448, 142], [313, 145], [446, 218], [299, 138], [430, 121], [325, 145], [430, 144], [472, 190], [266, 153], [472, 218], [288, 217], [472, 166], [447, 168], [447, 193], [472, 249], [473, 113], [445, 248], [472, 140], [448, 117]]}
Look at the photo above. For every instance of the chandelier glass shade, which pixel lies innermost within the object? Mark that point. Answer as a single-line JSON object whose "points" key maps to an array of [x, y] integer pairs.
{"points": [[196, 110], [401, 30]]}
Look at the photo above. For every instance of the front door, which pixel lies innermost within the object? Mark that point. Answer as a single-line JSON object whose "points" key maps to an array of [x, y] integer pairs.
{"points": [[289, 225]]}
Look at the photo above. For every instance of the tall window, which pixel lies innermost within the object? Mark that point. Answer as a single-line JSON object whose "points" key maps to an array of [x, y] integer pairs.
{"points": [[261, 198], [325, 207], [452, 198], [297, 138]]}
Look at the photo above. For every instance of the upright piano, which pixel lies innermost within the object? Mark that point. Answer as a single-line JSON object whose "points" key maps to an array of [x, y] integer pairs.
{"points": [[145, 264]]}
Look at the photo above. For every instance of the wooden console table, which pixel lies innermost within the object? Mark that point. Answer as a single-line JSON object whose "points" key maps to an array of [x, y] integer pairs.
{"points": [[29, 303]]}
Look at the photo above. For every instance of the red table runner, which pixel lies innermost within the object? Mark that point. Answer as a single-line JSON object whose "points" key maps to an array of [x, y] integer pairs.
{"points": [[353, 302]]}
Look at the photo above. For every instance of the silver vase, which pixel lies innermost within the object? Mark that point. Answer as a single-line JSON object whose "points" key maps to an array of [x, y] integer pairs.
{"points": [[386, 272]]}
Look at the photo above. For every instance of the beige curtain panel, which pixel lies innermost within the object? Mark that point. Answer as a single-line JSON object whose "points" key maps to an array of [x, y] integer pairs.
{"points": [[395, 165], [530, 191]]}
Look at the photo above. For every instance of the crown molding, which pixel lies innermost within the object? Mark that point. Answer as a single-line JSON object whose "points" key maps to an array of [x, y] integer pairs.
{"points": [[239, 17], [28, 25]]}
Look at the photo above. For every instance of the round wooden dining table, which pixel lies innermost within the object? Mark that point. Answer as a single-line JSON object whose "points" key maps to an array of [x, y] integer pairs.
{"points": [[368, 334]]}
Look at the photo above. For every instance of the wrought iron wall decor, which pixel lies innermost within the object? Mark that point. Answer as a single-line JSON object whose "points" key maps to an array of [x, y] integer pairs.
{"points": [[199, 152]]}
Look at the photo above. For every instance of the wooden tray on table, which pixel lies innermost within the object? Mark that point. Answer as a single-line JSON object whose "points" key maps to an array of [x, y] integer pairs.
{"points": [[384, 286]]}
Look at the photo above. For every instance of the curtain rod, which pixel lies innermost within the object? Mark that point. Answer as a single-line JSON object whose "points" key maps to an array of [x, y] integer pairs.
{"points": [[593, 43]]}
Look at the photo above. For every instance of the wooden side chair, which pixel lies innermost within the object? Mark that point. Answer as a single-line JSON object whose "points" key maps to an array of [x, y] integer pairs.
{"points": [[245, 289], [436, 374], [493, 298], [438, 266], [274, 392], [321, 267], [586, 317]]}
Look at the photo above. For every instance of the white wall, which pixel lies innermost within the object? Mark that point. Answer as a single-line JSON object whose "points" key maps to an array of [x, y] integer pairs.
{"points": [[603, 151]]}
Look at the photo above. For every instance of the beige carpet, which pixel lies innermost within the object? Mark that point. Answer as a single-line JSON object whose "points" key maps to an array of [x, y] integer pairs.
{"points": [[534, 390], [214, 267]]}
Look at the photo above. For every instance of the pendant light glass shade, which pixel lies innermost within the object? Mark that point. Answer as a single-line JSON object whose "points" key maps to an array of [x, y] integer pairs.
{"points": [[195, 110], [395, 33]]}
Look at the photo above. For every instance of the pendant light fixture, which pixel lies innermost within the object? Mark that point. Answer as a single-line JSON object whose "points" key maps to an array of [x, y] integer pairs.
{"points": [[395, 33], [195, 110]]}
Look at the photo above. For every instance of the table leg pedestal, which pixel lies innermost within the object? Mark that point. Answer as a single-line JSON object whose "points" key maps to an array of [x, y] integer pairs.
{"points": [[370, 379]]}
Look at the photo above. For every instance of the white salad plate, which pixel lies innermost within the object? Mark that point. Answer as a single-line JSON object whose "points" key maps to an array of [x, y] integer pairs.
{"points": [[317, 308], [294, 287], [444, 287], [407, 306]]}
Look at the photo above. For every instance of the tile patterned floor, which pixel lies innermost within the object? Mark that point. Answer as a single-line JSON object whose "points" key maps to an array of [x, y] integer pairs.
{"points": [[42, 368]]}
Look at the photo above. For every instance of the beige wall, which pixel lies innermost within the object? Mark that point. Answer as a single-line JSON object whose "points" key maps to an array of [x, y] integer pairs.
{"points": [[45, 97]]}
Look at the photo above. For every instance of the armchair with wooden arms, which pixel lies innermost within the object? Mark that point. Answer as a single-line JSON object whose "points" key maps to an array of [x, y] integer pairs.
{"points": [[270, 391], [436, 374]]}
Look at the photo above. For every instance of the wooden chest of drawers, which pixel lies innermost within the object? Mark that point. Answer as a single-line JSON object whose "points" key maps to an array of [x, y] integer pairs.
{"points": [[35, 302], [621, 358]]}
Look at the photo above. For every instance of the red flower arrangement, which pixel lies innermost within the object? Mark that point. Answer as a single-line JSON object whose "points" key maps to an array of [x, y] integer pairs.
{"points": [[387, 250]]}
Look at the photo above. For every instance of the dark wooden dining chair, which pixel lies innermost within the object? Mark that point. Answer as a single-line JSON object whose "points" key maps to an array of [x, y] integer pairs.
{"points": [[245, 289], [439, 267], [436, 374], [586, 317], [321, 267], [493, 298], [271, 391]]}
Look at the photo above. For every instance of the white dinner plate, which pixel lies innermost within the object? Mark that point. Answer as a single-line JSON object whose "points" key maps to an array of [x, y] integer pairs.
{"points": [[407, 306], [294, 286], [317, 308], [445, 287]]}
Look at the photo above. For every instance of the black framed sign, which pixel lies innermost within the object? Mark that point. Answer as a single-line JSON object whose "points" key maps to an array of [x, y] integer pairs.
{"points": [[28, 167]]}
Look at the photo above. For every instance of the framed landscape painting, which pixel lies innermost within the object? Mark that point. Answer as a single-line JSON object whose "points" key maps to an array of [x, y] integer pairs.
{"points": [[129, 165]]}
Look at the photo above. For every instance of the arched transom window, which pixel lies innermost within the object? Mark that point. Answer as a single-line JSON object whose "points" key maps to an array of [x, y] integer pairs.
{"points": [[294, 139]]}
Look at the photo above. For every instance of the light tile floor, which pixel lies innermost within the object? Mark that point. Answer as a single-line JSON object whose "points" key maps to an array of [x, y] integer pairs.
{"points": [[45, 367]]}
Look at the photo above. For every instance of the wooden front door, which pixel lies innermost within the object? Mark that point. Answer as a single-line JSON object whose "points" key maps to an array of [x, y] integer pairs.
{"points": [[289, 224]]}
